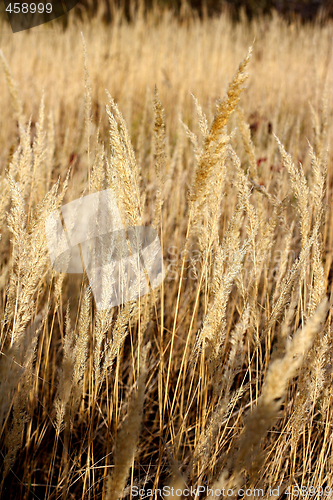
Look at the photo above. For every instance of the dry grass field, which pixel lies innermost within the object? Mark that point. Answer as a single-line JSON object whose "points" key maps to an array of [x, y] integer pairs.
{"points": [[218, 382]]}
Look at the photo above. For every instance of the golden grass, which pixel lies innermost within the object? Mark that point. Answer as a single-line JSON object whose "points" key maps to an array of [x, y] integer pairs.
{"points": [[222, 375]]}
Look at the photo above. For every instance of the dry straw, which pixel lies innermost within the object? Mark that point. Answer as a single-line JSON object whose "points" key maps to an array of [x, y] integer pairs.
{"points": [[240, 351]]}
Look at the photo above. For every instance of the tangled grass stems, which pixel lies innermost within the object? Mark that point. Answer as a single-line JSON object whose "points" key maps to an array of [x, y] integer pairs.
{"points": [[235, 391]]}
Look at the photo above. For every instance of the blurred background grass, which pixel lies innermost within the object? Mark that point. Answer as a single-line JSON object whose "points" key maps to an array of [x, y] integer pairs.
{"points": [[305, 10]]}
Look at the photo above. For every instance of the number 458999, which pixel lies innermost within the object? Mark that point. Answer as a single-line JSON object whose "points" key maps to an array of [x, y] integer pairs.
{"points": [[26, 8], [309, 491]]}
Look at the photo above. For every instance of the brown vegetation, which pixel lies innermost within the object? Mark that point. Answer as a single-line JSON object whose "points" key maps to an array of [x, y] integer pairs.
{"points": [[221, 376]]}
